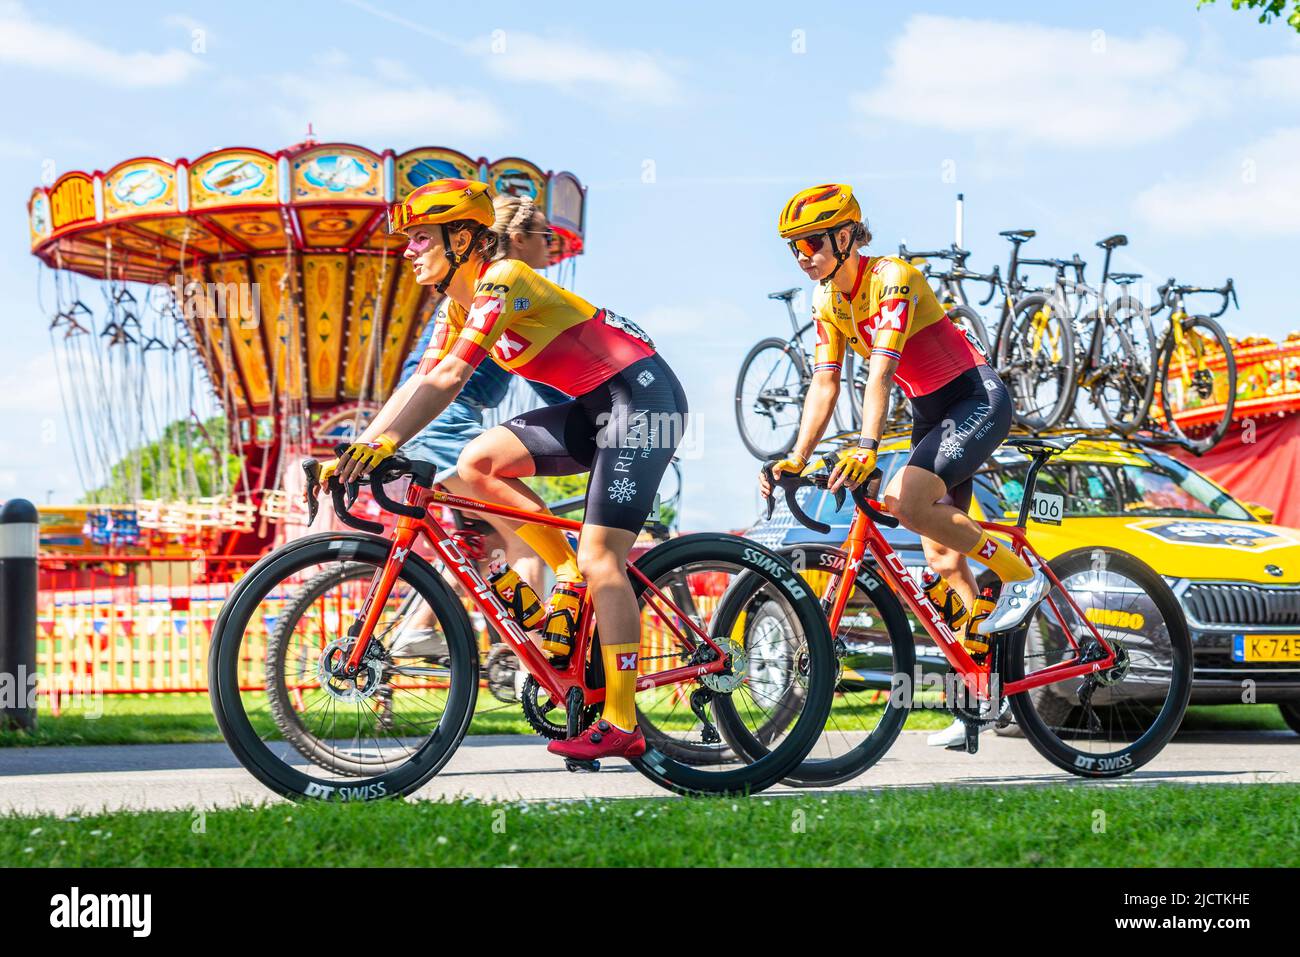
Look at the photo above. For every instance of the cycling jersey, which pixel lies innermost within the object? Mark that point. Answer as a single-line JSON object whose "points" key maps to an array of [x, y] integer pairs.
{"points": [[892, 310], [538, 330]]}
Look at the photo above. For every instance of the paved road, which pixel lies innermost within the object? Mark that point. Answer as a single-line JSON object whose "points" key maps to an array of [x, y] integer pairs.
{"points": [[68, 779]]}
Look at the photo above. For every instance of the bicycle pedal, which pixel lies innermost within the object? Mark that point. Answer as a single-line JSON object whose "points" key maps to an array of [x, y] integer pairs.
{"points": [[576, 766]]}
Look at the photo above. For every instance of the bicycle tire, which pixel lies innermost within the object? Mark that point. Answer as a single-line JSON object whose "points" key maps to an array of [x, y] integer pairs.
{"points": [[1144, 395], [824, 772], [282, 710], [1214, 331], [769, 768], [1064, 361], [1029, 714], [224, 658], [765, 450], [969, 322]]}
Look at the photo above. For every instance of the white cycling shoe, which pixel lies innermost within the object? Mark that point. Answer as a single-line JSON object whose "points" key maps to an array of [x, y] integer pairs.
{"points": [[1015, 603], [953, 737]]}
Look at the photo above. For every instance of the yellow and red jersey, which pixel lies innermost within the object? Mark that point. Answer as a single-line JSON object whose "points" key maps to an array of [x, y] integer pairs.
{"points": [[536, 329], [892, 310]]}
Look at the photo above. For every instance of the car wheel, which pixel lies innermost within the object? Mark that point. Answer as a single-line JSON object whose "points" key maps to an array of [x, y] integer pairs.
{"points": [[1291, 714]]}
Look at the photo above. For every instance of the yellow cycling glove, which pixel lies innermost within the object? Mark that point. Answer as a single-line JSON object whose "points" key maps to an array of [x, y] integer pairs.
{"points": [[854, 465], [370, 454], [794, 465]]}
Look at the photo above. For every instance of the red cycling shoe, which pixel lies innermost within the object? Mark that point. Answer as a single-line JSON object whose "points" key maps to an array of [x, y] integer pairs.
{"points": [[601, 740]]}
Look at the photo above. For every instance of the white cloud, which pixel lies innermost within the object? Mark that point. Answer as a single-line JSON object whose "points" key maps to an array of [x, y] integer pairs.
{"points": [[1274, 76], [29, 43], [597, 73], [1252, 191], [348, 105], [580, 69], [1034, 83]]}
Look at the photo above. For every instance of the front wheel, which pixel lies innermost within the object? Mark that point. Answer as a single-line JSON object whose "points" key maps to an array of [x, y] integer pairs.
{"points": [[1124, 381], [299, 724], [972, 327], [1198, 382], [1104, 723], [1036, 359], [769, 397]]}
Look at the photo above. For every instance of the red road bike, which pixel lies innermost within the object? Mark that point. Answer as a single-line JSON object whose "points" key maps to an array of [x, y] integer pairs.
{"points": [[325, 710], [1098, 677]]}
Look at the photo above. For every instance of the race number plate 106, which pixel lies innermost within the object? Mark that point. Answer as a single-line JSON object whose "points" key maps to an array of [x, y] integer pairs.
{"points": [[1047, 508]]}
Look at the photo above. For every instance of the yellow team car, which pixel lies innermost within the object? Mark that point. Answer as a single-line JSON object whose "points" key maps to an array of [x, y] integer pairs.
{"points": [[1236, 575]]}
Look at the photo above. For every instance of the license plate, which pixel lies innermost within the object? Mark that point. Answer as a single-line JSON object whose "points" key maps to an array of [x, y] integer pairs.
{"points": [[1047, 508], [1266, 648]]}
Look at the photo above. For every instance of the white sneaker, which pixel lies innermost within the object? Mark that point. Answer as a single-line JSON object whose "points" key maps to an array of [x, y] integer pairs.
{"points": [[1015, 603], [418, 643]]}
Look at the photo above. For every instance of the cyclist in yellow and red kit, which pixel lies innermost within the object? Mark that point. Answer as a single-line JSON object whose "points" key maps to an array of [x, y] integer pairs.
{"points": [[883, 308]]}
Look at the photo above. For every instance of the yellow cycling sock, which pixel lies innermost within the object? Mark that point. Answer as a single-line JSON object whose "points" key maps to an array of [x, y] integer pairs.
{"points": [[1000, 559], [620, 684], [554, 549]]}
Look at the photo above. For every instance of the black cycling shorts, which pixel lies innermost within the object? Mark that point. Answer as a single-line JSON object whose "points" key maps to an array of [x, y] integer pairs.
{"points": [[957, 428], [624, 432]]}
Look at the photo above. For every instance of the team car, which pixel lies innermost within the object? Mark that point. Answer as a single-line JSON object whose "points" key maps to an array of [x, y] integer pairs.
{"points": [[1236, 575]]}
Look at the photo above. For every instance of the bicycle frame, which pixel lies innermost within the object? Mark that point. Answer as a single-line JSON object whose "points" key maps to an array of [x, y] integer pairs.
{"points": [[865, 537], [557, 682]]}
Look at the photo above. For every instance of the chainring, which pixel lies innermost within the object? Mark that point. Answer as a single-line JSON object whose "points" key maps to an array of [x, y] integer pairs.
{"points": [[537, 716]]}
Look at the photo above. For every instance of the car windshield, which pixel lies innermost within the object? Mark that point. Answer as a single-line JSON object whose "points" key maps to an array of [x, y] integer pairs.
{"points": [[1133, 484]]}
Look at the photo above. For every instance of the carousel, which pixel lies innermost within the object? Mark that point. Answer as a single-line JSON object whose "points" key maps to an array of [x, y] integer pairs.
{"points": [[248, 307]]}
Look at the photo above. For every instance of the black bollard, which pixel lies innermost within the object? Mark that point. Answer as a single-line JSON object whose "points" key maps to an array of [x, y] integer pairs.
{"points": [[19, 534]]}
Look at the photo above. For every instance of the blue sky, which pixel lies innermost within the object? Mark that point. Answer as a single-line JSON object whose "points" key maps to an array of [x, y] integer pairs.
{"points": [[691, 124]]}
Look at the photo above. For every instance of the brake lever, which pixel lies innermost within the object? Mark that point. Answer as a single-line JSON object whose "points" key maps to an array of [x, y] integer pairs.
{"points": [[312, 470], [789, 485]]}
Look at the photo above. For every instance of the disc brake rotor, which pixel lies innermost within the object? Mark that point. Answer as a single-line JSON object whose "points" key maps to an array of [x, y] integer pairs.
{"points": [[348, 688], [727, 682]]}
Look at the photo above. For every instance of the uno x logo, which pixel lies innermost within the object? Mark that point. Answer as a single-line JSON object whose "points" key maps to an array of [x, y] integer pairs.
{"points": [[507, 348], [485, 311], [627, 662], [893, 316], [988, 548]]}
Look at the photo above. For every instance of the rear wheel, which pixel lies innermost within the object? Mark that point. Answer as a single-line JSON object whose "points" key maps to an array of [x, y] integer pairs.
{"points": [[745, 728], [1103, 723], [769, 397]]}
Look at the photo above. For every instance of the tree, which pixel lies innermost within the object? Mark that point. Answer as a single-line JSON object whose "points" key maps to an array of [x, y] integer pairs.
{"points": [[1268, 9], [179, 463]]}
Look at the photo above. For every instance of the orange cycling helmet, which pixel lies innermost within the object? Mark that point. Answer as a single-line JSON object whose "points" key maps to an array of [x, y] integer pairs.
{"points": [[442, 203], [821, 209]]}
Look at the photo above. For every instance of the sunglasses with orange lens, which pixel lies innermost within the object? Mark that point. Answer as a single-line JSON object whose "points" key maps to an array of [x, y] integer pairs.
{"points": [[808, 245]]}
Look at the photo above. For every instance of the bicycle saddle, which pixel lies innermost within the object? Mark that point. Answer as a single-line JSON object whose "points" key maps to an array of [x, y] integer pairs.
{"points": [[1036, 447], [1124, 278], [786, 295], [1019, 235], [1110, 242]]}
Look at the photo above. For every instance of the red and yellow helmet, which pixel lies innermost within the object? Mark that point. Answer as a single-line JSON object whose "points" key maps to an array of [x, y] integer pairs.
{"points": [[818, 208], [443, 201]]}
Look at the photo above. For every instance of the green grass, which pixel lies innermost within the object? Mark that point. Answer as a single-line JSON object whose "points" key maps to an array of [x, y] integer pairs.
{"points": [[187, 718], [1062, 825]]}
